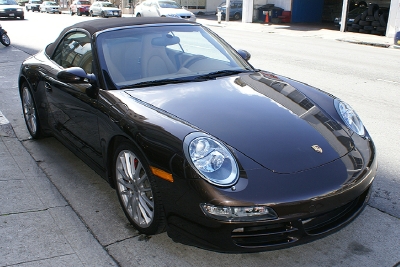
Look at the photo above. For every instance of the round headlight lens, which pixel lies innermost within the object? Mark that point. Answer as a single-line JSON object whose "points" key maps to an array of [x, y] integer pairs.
{"points": [[350, 117], [211, 159]]}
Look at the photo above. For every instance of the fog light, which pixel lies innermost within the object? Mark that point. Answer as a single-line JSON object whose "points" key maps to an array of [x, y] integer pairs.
{"points": [[239, 214]]}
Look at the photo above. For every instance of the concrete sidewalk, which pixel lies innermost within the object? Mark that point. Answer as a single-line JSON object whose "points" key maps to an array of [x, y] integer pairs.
{"points": [[324, 31], [37, 226]]}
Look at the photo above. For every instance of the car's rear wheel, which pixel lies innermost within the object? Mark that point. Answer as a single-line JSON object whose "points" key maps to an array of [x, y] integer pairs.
{"points": [[103, 15], [91, 14], [236, 16], [138, 15], [70, 12], [137, 190], [30, 112], [78, 13]]}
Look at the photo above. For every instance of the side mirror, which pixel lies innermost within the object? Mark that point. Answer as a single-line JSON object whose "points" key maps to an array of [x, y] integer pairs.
{"points": [[76, 75], [244, 54]]}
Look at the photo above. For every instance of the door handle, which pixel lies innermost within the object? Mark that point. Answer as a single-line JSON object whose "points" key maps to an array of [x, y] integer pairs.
{"points": [[48, 87]]}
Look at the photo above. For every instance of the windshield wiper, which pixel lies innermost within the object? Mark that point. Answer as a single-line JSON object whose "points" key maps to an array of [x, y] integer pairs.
{"points": [[162, 82], [200, 78], [220, 73]]}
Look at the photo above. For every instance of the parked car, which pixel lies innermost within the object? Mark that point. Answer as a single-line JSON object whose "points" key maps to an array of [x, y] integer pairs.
{"points": [[79, 7], [50, 7], [33, 5], [163, 8], [197, 141], [397, 40], [235, 11], [10, 9], [104, 9]]}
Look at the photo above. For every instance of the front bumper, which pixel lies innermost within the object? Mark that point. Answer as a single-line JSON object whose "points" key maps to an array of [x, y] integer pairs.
{"points": [[303, 225], [11, 13]]}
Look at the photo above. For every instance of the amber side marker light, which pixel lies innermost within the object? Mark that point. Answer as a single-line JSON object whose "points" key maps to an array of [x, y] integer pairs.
{"points": [[162, 174]]}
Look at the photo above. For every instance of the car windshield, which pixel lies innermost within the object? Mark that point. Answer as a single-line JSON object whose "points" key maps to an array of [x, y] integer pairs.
{"points": [[169, 4], [84, 2], [108, 5], [167, 54], [8, 2], [52, 3]]}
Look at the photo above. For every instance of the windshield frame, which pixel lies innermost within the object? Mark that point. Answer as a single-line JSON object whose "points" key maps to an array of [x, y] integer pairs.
{"points": [[233, 58]]}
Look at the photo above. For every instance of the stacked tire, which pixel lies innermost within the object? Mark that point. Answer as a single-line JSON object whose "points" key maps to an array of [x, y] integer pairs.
{"points": [[371, 21]]}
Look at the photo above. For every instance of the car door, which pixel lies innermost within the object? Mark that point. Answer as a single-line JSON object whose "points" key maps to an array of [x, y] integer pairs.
{"points": [[73, 109]]}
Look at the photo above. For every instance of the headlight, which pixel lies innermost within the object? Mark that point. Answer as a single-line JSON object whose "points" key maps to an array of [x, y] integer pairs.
{"points": [[239, 214], [19, 9], [350, 117], [211, 159]]}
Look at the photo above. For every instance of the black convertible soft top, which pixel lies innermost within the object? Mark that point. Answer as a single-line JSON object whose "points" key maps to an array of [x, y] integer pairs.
{"points": [[93, 26]]}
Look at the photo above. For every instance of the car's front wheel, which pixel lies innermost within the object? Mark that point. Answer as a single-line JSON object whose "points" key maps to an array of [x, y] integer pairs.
{"points": [[137, 190], [30, 112], [103, 15], [91, 13], [70, 12], [5, 40], [138, 15], [78, 13]]}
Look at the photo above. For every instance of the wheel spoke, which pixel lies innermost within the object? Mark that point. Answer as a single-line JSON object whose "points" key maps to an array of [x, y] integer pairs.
{"points": [[134, 188]]}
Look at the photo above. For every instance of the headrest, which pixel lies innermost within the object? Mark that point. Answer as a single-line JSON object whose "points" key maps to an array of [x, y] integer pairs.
{"points": [[168, 39]]}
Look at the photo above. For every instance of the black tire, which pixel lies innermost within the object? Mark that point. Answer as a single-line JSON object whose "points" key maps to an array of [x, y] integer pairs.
{"points": [[357, 19], [78, 12], [30, 112], [5, 40], [91, 14], [351, 29], [375, 23], [383, 19], [377, 33], [364, 23], [237, 16], [381, 29], [372, 8], [369, 28], [364, 15], [356, 26], [364, 31], [138, 15], [22, 18], [103, 15], [377, 14], [369, 18], [137, 190], [71, 13]]}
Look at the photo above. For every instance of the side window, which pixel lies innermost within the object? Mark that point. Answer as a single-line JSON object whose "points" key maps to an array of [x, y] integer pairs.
{"points": [[74, 51]]}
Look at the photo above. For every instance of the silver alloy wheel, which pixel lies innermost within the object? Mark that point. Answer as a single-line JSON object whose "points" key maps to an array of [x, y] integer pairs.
{"points": [[134, 188], [5, 40], [29, 110]]}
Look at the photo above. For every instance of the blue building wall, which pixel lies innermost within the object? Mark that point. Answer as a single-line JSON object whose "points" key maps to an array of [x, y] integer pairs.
{"points": [[309, 11]]}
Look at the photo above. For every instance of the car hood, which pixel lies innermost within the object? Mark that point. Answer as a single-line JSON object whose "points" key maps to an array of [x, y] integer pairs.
{"points": [[177, 11], [264, 118], [10, 6]]}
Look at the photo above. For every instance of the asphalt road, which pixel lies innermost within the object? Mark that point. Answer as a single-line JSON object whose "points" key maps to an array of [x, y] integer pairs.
{"points": [[366, 77]]}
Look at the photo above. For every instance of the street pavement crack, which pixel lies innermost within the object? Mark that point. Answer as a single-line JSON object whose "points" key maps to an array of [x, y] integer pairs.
{"points": [[391, 215], [38, 260]]}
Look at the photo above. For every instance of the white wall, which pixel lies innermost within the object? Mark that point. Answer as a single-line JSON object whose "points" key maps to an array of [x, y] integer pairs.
{"points": [[394, 19]]}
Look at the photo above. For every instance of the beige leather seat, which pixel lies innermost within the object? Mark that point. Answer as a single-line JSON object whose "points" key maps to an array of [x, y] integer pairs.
{"points": [[155, 61], [122, 58]]}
